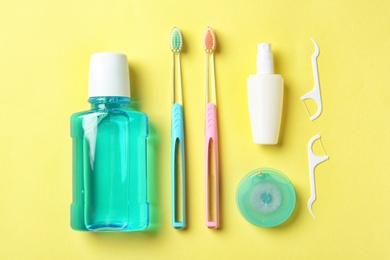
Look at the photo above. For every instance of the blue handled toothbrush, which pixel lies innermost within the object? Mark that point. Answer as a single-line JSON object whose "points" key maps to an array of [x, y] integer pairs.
{"points": [[177, 137]]}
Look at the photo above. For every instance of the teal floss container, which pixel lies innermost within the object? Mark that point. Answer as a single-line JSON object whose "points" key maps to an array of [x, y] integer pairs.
{"points": [[266, 197], [109, 153]]}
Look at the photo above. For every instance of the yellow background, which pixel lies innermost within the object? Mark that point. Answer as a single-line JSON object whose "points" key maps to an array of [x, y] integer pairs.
{"points": [[44, 58]]}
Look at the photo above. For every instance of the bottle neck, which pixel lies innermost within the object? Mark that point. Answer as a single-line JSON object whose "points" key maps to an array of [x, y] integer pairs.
{"points": [[101, 103]]}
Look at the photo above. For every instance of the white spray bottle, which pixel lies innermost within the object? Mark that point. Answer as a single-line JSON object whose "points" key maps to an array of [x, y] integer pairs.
{"points": [[265, 98]]}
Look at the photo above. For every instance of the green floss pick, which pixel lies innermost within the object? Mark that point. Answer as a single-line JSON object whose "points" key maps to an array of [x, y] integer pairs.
{"points": [[266, 197]]}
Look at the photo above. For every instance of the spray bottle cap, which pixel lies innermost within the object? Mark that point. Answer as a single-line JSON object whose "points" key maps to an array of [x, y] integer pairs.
{"points": [[265, 61], [109, 75]]}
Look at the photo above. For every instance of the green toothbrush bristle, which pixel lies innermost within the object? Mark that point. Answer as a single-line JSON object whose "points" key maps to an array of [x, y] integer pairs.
{"points": [[176, 40]]}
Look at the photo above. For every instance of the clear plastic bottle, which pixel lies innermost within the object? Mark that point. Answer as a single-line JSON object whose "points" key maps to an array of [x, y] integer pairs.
{"points": [[109, 153]]}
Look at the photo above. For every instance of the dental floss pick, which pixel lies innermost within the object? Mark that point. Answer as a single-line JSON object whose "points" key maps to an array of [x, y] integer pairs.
{"points": [[314, 160], [315, 93], [178, 192]]}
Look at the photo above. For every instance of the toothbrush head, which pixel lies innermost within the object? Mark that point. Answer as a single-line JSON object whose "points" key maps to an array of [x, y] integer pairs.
{"points": [[176, 40], [209, 40]]}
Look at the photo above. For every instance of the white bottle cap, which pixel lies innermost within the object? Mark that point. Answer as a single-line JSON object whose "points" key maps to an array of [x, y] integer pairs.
{"points": [[265, 60], [109, 75]]}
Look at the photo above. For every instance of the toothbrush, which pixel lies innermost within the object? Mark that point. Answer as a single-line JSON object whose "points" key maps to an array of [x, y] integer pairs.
{"points": [[177, 138], [211, 134]]}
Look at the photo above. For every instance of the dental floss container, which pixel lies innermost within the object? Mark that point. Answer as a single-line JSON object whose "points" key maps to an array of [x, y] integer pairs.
{"points": [[266, 197]]}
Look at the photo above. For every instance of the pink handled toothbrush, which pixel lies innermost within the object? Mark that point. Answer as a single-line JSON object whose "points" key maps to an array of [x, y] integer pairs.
{"points": [[211, 135]]}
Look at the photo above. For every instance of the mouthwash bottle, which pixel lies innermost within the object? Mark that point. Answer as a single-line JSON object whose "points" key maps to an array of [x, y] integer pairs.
{"points": [[109, 153]]}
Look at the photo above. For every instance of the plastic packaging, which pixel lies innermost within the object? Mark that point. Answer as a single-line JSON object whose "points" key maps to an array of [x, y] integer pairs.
{"points": [[109, 153], [265, 98]]}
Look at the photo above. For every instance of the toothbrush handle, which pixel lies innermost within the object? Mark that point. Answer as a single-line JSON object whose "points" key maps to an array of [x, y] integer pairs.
{"points": [[177, 142], [211, 133]]}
